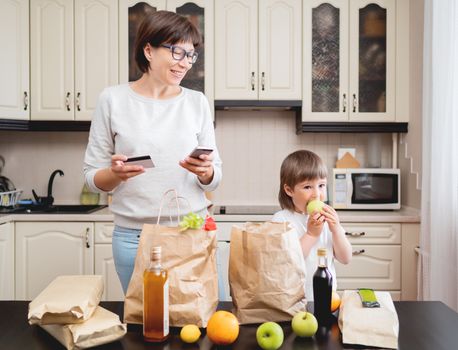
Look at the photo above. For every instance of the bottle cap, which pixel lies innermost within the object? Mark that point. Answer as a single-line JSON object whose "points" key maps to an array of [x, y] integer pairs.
{"points": [[156, 253], [321, 252]]}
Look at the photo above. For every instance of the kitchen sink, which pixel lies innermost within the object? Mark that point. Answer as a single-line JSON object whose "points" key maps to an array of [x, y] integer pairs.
{"points": [[63, 209]]}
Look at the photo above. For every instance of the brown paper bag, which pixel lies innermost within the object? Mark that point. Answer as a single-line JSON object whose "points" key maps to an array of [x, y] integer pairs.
{"points": [[266, 272], [190, 259], [369, 326], [103, 327], [67, 299]]}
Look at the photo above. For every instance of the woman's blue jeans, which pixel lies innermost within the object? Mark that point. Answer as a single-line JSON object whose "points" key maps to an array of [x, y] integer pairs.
{"points": [[125, 244]]}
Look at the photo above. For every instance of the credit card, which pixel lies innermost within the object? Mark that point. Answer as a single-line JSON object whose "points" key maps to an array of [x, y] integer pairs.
{"points": [[144, 161]]}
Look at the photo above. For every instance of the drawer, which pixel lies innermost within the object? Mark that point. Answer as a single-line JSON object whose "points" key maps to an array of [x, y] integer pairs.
{"points": [[224, 230], [373, 233], [103, 232], [376, 267]]}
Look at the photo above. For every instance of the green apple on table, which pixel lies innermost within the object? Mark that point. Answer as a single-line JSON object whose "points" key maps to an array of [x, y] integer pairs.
{"points": [[315, 205], [269, 336], [304, 324]]}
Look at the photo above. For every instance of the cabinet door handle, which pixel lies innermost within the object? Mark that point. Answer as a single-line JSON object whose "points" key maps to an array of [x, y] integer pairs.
{"points": [[358, 252], [26, 101], [355, 234], [78, 101], [252, 81], [263, 81], [344, 103], [87, 238], [354, 103], [67, 101]]}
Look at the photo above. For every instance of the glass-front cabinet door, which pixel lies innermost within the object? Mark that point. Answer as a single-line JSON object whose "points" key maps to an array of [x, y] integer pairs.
{"points": [[349, 60], [372, 60], [325, 60], [199, 12]]}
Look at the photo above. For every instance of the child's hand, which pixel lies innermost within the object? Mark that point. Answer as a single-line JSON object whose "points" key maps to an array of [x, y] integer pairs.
{"points": [[315, 224], [331, 217]]}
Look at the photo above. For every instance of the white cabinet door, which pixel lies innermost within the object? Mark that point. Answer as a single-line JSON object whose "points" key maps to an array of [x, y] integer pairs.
{"points": [[280, 50], [104, 265], [236, 49], [96, 52], [51, 28], [14, 59], [45, 250], [7, 261], [325, 60], [131, 13], [372, 60]]}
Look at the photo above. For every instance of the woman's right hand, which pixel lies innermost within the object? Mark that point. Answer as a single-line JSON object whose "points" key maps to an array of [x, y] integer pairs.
{"points": [[123, 171]]}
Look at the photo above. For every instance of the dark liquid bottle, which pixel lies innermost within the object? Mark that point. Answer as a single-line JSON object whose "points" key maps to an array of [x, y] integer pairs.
{"points": [[322, 290]]}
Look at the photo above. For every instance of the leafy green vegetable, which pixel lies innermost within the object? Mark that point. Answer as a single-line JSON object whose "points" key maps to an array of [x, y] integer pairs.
{"points": [[192, 221]]}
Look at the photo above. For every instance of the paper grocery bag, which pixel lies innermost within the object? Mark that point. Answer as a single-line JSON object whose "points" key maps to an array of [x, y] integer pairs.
{"points": [[190, 258], [266, 272], [67, 299], [103, 327], [369, 326]]}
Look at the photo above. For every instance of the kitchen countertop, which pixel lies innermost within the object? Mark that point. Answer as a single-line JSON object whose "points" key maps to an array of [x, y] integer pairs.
{"points": [[423, 325], [404, 215]]}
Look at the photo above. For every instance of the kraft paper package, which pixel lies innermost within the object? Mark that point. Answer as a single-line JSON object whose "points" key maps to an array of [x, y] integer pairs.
{"points": [[266, 272], [103, 327], [67, 299], [189, 256], [369, 326]]}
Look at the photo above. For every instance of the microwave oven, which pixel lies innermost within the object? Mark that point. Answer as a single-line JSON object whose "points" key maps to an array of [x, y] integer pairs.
{"points": [[366, 189]]}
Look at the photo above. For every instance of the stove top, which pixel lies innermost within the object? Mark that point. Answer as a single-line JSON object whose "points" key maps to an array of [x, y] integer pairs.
{"points": [[12, 210]]}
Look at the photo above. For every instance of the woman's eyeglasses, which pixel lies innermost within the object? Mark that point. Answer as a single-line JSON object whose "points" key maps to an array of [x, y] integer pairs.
{"points": [[178, 53]]}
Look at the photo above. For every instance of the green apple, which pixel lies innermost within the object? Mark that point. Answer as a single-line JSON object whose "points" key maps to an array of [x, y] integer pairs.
{"points": [[269, 336], [315, 205], [304, 324]]}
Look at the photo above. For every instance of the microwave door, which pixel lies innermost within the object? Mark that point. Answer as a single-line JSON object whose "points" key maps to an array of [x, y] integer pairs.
{"points": [[374, 190]]}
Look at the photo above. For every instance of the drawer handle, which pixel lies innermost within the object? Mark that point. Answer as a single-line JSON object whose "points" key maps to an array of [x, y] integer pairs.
{"points": [[252, 81], [355, 234], [87, 238], [358, 252]]}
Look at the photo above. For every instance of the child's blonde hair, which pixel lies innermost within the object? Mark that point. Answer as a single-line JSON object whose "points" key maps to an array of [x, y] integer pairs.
{"points": [[299, 166]]}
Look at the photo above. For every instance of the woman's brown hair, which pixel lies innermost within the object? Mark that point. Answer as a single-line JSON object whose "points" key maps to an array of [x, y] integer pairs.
{"points": [[162, 27], [297, 167]]}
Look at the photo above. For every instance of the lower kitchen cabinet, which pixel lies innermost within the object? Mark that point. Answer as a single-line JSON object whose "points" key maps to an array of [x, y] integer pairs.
{"points": [[45, 250], [7, 261], [104, 263]]}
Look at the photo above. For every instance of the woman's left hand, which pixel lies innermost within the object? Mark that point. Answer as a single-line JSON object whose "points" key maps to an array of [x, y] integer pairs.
{"points": [[202, 167]]}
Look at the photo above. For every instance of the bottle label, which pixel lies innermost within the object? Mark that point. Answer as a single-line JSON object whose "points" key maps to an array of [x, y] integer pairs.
{"points": [[166, 308]]}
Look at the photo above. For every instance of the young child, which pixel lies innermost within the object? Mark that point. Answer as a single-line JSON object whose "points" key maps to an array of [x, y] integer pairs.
{"points": [[303, 179]]}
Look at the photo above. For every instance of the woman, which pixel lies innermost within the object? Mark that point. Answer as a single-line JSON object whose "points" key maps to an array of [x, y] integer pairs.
{"points": [[152, 116]]}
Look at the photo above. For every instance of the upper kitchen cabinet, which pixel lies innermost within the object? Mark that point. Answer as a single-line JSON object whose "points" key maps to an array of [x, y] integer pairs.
{"points": [[258, 50], [14, 59], [199, 12], [356, 61], [74, 55]]}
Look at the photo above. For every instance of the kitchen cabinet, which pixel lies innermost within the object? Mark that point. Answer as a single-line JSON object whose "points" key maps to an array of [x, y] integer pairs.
{"points": [[199, 12], [377, 260], [14, 59], [104, 263], [355, 62], [45, 250], [74, 55], [258, 50], [7, 261]]}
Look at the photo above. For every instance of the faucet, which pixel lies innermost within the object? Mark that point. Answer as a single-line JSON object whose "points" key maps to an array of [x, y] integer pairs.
{"points": [[48, 200]]}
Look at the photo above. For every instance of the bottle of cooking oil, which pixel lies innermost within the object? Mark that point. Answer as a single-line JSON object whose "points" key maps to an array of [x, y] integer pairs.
{"points": [[155, 300], [322, 290]]}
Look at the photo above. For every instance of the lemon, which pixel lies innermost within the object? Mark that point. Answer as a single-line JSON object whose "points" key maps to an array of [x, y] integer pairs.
{"points": [[190, 333]]}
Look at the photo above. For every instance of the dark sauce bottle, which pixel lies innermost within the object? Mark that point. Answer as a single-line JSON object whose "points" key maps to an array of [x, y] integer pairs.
{"points": [[322, 290]]}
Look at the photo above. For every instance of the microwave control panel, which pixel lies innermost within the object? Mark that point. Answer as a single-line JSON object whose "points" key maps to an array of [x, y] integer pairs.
{"points": [[340, 190]]}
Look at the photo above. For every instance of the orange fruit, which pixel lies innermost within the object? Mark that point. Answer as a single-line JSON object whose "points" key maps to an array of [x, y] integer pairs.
{"points": [[335, 301], [223, 328]]}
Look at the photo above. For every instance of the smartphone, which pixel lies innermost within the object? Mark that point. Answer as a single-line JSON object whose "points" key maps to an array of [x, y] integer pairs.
{"points": [[200, 150], [144, 161]]}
